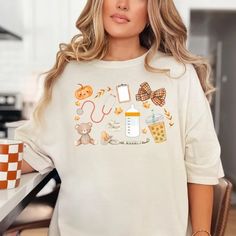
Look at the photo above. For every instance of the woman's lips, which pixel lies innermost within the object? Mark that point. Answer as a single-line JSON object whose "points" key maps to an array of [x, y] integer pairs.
{"points": [[121, 19]]}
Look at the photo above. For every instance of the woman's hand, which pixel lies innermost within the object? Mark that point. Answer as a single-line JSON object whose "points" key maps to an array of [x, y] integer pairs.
{"points": [[26, 168]]}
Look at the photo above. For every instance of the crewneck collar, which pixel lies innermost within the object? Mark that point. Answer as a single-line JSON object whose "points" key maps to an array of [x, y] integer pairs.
{"points": [[119, 64]]}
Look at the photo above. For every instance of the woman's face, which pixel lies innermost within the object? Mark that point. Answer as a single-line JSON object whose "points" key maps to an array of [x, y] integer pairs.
{"points": [[124, 18]]}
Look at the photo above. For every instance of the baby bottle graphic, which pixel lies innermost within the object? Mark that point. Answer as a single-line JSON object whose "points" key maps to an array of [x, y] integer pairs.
{"points": [[156, 126], [132, 122]]}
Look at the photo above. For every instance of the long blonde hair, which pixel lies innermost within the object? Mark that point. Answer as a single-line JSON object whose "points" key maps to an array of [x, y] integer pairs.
{"points": [[165, 32]]}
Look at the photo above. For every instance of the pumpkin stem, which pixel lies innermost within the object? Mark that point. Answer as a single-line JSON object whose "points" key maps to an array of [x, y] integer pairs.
{"points": [[81, 85]]}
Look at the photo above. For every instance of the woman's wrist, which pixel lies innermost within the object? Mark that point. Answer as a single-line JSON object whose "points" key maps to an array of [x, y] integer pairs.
{"points": [[201, 233]]}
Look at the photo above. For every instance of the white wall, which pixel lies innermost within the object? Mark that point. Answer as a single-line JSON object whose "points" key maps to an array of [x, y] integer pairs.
{"points": [[12, 65], [75, 10], [183, 8]]}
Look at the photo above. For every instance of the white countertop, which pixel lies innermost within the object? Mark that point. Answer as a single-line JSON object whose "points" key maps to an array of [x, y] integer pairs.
{"points": [[10, 198]]}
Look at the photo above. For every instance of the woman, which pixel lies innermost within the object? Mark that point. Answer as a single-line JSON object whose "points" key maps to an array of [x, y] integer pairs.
{"points": [[125, 120]]}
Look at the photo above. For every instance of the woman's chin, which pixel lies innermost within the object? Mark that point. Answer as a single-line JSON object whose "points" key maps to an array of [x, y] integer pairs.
{"points": [[121, 34]]}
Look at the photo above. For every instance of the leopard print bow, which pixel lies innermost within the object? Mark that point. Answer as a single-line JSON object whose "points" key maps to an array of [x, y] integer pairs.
{"points": [[145, 93]]}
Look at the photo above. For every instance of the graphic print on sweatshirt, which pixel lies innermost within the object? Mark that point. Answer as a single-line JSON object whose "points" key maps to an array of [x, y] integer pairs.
{"points": [[117, 115]]}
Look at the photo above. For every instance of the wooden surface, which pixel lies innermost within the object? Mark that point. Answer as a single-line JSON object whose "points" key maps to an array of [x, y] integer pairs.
{"points": [[231, 226]]}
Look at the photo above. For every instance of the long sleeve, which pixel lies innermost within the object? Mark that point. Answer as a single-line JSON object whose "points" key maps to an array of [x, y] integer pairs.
{"points": [[40, 140], [33, 153]]}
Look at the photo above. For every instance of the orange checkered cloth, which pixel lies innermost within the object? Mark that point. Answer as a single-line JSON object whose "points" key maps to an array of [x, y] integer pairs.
{"points": [[10, 165]]}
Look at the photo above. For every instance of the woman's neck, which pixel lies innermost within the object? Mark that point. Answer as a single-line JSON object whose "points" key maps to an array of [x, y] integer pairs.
{"points": [[124, 49]]}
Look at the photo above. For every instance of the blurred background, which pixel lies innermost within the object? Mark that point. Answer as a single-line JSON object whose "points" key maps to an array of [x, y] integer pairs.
{"points": [[31, 30]]}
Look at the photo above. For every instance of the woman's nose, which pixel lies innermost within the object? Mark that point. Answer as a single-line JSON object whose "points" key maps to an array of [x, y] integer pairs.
{"points": [[123, 5]]}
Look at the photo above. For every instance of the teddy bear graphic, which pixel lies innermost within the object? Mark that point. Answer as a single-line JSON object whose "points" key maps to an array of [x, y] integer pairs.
{"points": [[84, 129]]}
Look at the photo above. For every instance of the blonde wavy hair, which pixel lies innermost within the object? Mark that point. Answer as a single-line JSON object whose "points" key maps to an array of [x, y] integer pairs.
{"points": [[165, 32]]}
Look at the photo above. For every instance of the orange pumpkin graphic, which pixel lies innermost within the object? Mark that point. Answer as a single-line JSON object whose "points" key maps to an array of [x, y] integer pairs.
{"points": [[83, 92]]}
